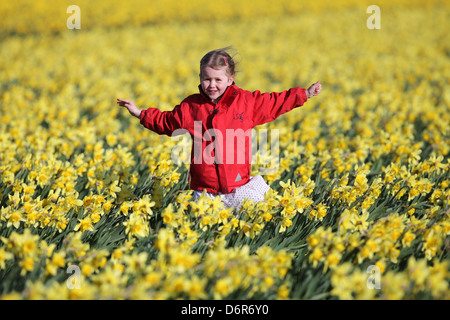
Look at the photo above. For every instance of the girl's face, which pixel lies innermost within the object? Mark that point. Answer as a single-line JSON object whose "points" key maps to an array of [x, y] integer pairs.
{"points": [[214, 82]]}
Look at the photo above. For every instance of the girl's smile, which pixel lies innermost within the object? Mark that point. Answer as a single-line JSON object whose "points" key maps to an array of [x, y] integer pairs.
{"points": [[214, 82]]}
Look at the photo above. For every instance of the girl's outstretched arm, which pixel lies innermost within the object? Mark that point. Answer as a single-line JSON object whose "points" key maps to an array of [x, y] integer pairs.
{"points": [[132, 109], [161, 122]]}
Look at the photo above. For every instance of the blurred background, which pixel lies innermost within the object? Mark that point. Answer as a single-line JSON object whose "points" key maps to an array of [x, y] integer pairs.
{"points": [[60, 79]]}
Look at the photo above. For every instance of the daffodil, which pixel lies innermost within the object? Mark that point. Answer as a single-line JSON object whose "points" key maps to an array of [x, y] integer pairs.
{"points": [[84, 224], [4, 256], [137, 226], [57, 261]]}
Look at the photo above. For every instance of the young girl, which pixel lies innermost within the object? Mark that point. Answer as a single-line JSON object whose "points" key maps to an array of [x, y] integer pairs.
{"points": [[215, 117]]}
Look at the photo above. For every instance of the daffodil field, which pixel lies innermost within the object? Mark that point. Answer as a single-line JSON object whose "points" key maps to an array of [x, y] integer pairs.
{"points": [[93, 206]]}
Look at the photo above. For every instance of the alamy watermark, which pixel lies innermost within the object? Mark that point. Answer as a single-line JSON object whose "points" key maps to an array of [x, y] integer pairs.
{"points": [[374, 21], [232, 146], [74, 20], [374, 280], [74, 280]]}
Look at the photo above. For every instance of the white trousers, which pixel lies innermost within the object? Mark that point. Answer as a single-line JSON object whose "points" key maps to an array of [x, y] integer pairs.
{"points": [[252, 190]]}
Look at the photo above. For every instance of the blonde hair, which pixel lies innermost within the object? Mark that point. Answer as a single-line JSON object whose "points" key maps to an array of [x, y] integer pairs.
{"points": [[219, 58]]}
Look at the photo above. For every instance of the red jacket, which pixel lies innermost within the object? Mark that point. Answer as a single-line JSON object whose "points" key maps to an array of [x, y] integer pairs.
{"points": [[219, 162]]}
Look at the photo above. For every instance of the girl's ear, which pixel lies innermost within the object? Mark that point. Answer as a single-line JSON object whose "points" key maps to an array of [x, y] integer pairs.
{"points": [[230, 80]]}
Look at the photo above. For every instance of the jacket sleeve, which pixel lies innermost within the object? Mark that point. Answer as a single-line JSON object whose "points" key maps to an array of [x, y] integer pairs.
{"points": [[269, 106], [163, 122]]}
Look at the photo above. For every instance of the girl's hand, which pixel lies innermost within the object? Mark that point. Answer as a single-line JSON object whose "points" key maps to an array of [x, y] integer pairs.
{"points": [[132, 109], [314, 90]]}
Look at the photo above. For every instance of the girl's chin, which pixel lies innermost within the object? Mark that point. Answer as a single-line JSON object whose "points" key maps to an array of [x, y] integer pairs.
{"points": [[213, 96]]}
